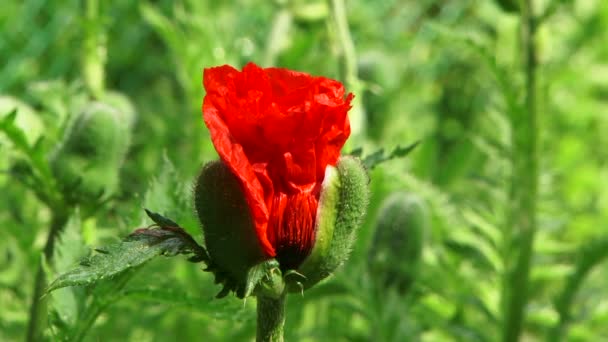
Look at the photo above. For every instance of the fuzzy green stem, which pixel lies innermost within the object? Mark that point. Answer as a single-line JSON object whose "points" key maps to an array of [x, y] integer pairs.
{"points": [[271, 318], [37, 317], [524, 184]]}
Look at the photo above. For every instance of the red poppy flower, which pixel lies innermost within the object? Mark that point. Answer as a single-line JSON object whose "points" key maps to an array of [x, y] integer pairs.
{"points": [[277, 130]]}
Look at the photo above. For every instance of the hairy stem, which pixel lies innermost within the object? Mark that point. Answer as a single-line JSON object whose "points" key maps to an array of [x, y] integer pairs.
{"points": [[271, 318], [38, 310], [524, 184]]}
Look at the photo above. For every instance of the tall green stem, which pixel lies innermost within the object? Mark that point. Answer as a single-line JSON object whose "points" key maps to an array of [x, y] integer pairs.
{"points": [[94, 50], [38, 312], [271, 318], [524, 184], [351, 78], [278, 37]]}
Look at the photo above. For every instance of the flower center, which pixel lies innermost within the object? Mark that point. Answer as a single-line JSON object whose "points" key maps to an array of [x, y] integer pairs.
{"points": [[291, 229]]}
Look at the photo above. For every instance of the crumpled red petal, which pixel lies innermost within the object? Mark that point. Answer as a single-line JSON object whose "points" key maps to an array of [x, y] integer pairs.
{"points": [[277, 130]]}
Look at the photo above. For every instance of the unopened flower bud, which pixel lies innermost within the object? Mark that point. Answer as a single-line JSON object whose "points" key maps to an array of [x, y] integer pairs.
{"points": [[398, 242], [86, 162]]}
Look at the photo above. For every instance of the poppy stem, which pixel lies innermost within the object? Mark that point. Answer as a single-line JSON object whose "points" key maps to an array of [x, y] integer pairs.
{"points": [[38, 309], [350, 69], [524, 185], [271, 318]]}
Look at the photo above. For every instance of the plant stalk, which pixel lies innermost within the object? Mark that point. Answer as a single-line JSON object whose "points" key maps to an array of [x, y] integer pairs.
{"points": [[350, 69], [524, 185], [278, 37], [38, 309], [94, 50], [271, 318]]}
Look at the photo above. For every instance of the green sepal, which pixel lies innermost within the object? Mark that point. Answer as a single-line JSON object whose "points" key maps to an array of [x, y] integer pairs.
{"points": [[342, 206], [398, 242], [236, 258]]}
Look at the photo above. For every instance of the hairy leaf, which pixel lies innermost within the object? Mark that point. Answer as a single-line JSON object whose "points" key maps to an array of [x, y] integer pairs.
{"points": [[139, 247]]}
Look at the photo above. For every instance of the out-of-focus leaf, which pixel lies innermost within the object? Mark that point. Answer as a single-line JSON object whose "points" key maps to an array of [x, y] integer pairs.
{"points": [[19, 139], [70, 249]]}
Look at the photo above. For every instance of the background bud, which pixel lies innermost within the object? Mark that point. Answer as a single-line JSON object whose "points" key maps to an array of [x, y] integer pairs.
{"points": [[86, 162], [398, 240]]}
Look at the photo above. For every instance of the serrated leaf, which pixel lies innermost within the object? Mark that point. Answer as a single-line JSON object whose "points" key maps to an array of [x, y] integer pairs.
{"points": [[160, 220], [357, 152], [138, 248], [378, 157]]}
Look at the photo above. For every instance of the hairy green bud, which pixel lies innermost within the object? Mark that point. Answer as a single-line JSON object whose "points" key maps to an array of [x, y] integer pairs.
{"points": [[237, 258], [86, 162], [396, 251]]}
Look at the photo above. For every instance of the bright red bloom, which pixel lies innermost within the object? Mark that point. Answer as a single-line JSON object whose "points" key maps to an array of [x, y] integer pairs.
{"points": [[277, 130]]}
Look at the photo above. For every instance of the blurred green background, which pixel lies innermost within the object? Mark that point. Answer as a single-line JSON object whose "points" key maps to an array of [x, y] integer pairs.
{"points": [[447, 73]]}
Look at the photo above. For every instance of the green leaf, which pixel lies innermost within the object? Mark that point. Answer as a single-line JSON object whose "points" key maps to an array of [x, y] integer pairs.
{"points": [[379, 157], [160, 219], [17, 136], [138, 248]]}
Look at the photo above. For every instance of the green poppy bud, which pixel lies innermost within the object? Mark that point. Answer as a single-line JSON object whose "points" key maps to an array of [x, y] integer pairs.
{"points": [[237, 257], [123, 104], [86, 162], [396, 251]]}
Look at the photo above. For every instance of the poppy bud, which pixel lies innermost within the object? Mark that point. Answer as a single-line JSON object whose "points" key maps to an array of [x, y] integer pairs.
{"points": [[280, 194], [230, 235], [86, 162], [398, 240]]}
